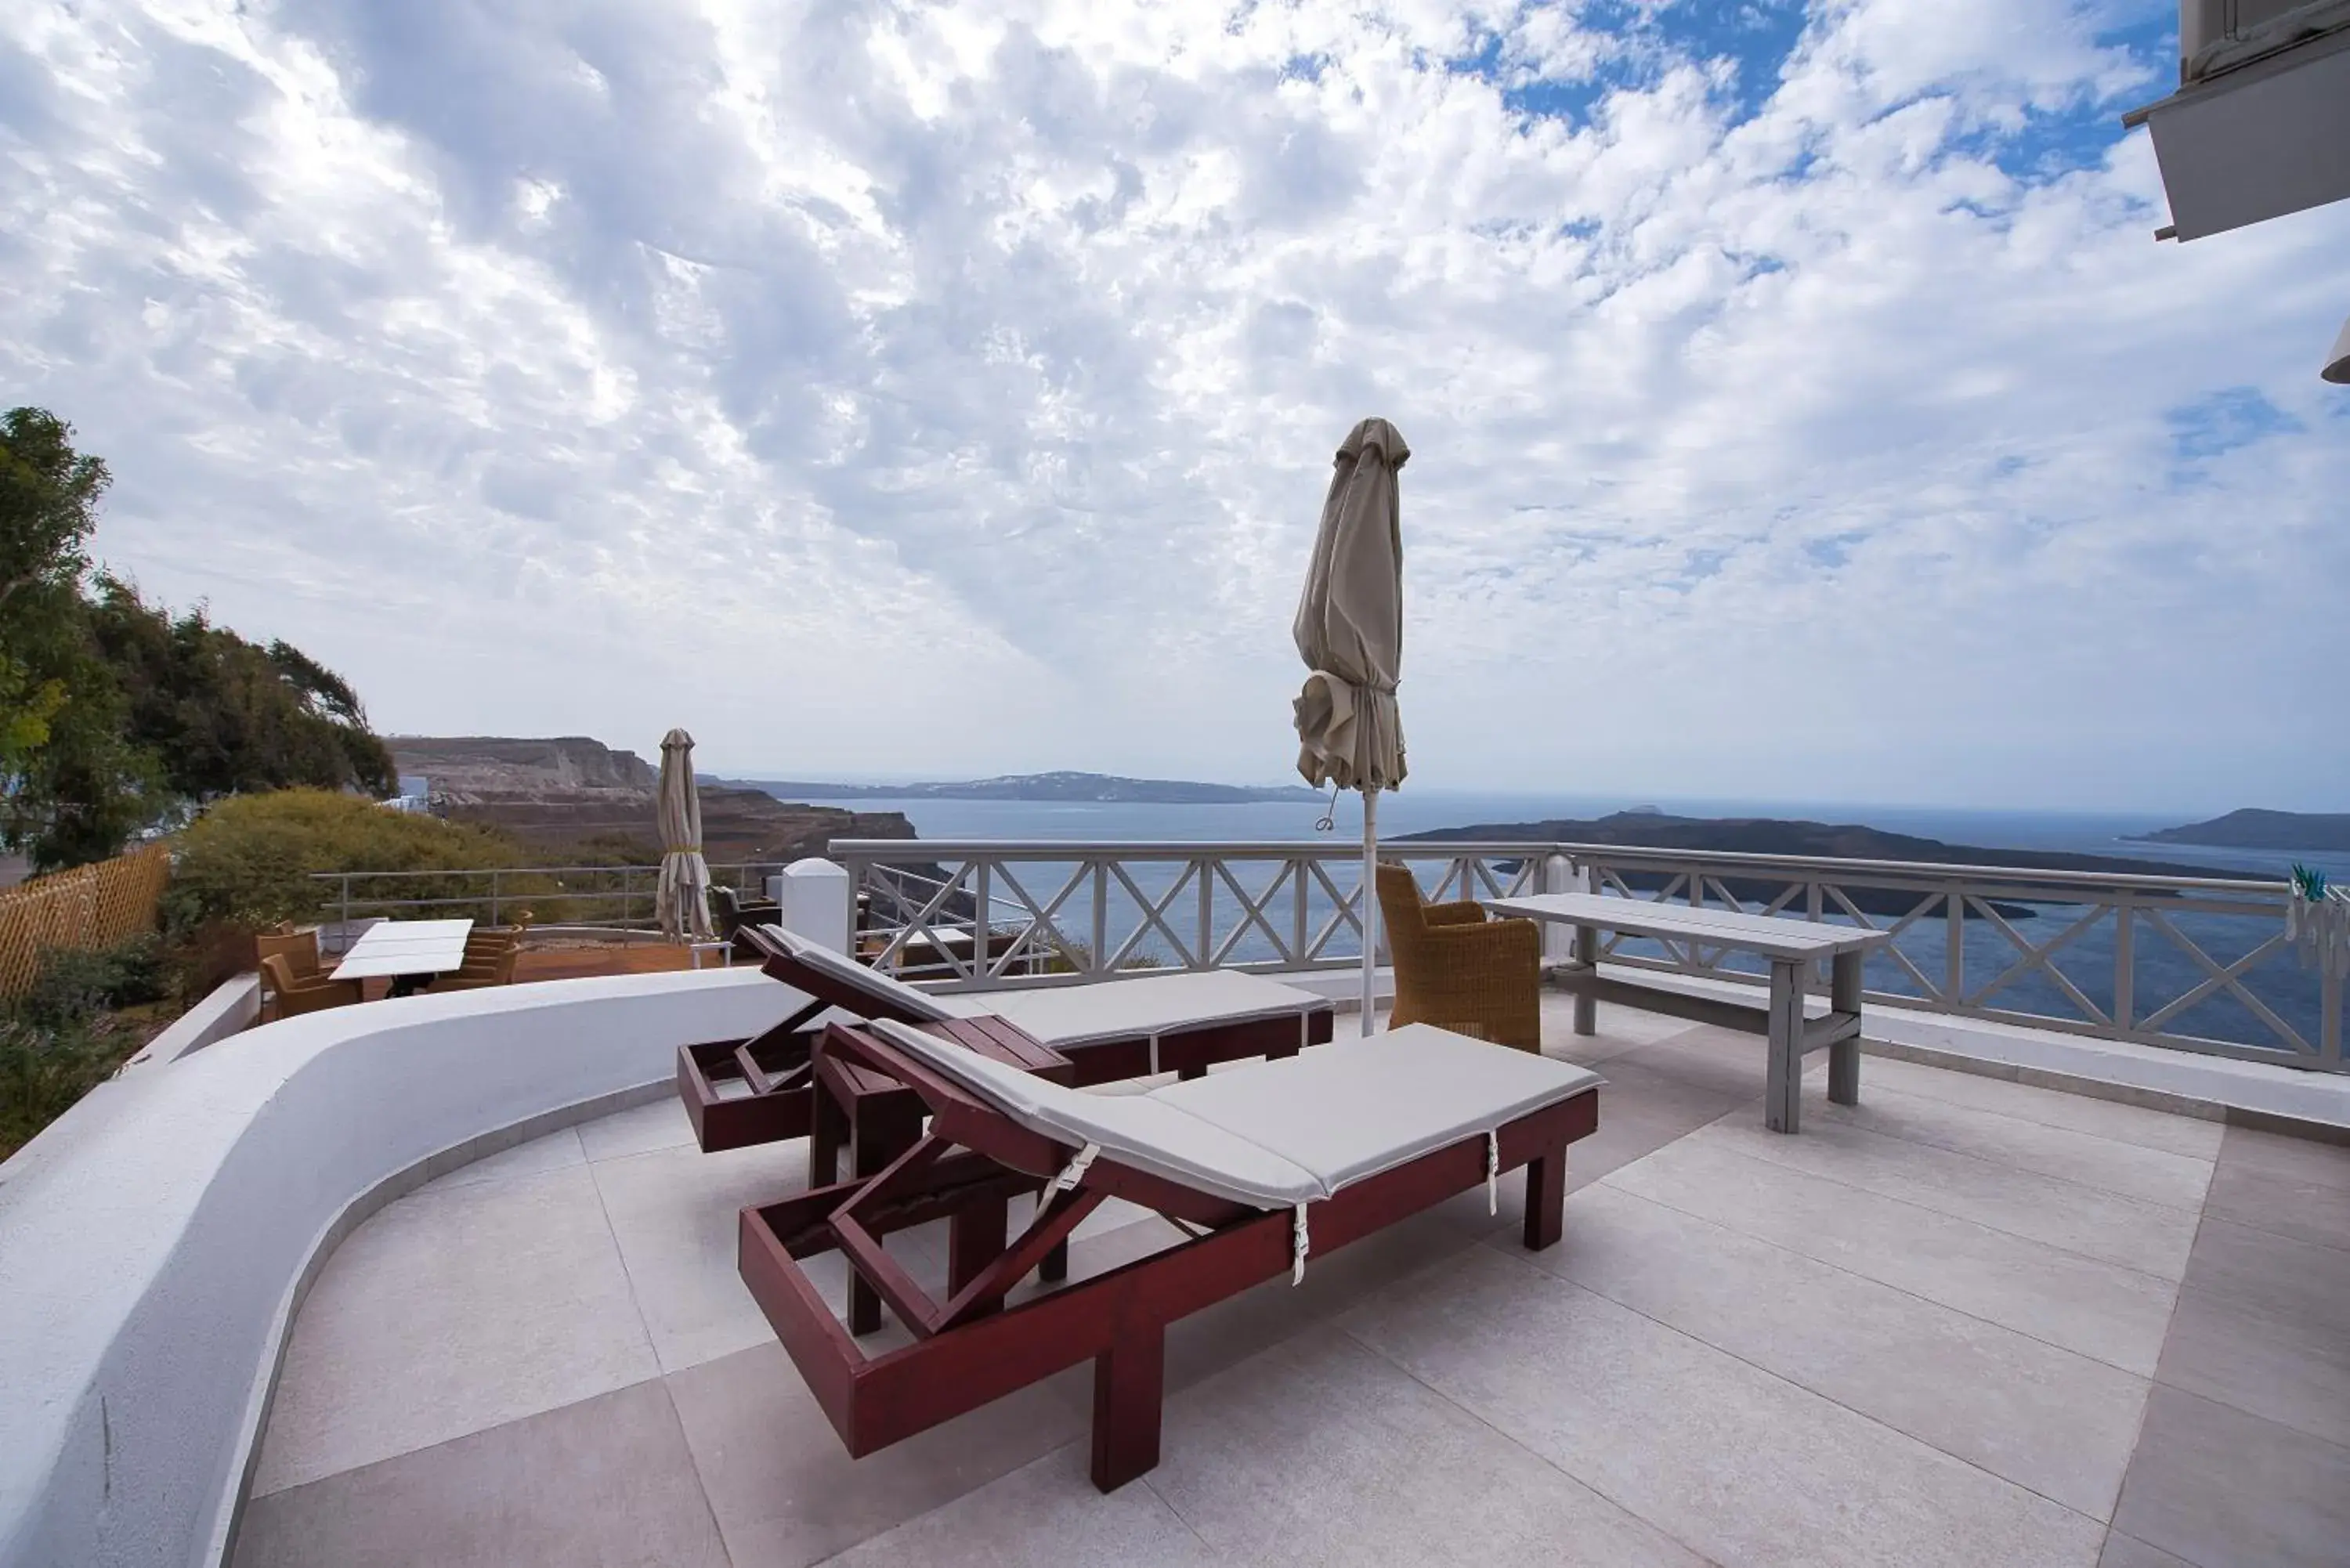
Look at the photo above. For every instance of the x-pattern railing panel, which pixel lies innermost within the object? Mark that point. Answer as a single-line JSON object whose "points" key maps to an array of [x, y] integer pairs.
{"points": [[2219, 977], [1254, 916], [2037, 956], [1041, 918]]}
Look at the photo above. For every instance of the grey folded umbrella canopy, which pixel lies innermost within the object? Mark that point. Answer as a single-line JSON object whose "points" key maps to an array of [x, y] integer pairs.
{"points": [[1350, 631], [1349, 625], [681, 897]]}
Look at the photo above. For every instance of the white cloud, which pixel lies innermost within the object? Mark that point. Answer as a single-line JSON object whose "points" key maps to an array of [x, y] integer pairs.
{"points": [[942, 388]]}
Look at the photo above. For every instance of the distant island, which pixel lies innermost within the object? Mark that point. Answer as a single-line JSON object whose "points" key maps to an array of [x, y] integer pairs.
{"points": [[1058, 787], [2318, 832], [1651, 829]]}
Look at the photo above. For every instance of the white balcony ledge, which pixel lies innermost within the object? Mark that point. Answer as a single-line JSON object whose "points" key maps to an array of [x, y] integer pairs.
{"points": [[2259, 141], [154, 1241]]}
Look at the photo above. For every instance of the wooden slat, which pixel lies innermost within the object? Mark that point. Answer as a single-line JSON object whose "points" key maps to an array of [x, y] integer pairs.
{"points": [[1756, 933]]}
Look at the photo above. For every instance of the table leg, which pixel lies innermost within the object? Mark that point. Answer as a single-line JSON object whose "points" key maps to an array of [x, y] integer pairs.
{"points": [[1783, 1092], [1586, 959], [1844, 1056]]}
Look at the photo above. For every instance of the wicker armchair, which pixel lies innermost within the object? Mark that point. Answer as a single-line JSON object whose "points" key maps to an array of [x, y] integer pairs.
{"points": [[298, 949], [294, 994], [490, 952], [1459, 971]]}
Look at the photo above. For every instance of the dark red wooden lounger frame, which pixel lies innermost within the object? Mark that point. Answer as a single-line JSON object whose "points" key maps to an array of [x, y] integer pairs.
{"points": [[773, 1068], [971, 1348]]}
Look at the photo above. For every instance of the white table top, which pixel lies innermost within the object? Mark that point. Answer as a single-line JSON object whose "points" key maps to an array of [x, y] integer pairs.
{"points": [[1775, 935], [406, 946]]}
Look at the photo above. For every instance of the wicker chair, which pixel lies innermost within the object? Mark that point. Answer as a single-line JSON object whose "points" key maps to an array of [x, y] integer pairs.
{"points": [[1459, 971], [294, 994], [298, 949], [490, 952]]}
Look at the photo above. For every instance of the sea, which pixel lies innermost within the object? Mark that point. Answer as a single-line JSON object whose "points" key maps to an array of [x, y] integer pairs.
{"points": [[2272, 1002]]}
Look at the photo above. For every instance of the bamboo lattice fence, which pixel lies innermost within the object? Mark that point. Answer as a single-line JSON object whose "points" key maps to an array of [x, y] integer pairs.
{"points": [[87, 908]]}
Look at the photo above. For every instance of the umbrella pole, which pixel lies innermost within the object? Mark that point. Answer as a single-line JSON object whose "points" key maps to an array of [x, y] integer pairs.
{"points": [[1371, 901]]}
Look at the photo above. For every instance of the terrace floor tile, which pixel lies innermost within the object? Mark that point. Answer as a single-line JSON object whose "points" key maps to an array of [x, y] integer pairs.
{"points": [[784, 1490], [557, 1152], [1046, 1514], [603, 1483], [1320, 1453], [2045, 1419], [450, 1312], [2222, 1489], [1738, 1464], [2189, 1136], [2153, 1238], [2110, 1164], [2292, 1187], [2129, 1552], [674, 1213], [2117, 1315], [656, 1125]]}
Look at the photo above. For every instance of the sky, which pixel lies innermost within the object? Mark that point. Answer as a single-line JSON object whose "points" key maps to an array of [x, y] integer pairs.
{"points": [[1800, 406]]}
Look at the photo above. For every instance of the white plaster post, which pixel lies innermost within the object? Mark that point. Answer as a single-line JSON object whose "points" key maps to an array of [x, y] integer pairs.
{"points": [[815, 901], [1556, 876]]}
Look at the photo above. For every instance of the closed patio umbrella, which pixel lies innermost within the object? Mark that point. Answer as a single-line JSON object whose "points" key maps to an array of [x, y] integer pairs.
{"points": [[681, 897], [1350, 631]]}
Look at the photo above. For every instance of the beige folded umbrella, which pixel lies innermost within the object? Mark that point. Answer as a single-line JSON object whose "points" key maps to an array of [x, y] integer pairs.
{"points": [[1350, 631], [681, 897]]}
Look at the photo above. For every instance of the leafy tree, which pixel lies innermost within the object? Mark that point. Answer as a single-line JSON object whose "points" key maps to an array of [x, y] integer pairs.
{"points": [[114, 713], [49, 505], [225, 716]]}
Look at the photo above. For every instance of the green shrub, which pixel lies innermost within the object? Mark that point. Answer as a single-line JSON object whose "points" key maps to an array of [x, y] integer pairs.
{"points": [[248, 860], [75, 987], [44, 1071], [64, 1036], [1074, 955]]}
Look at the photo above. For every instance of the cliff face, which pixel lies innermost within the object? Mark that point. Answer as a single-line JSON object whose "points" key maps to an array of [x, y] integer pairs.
{"points": [[464, 767], [573, 796]]}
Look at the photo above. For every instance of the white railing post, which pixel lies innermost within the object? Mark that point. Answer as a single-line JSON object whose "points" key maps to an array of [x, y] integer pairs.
{"points": [[2329, 1024], [816, 899], [1100, 948], [2124, 963], [1954, 956], [1558, 937]]}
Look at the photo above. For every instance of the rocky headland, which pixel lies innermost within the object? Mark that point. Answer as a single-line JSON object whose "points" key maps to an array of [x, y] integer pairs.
{"points": [[571, 795]]}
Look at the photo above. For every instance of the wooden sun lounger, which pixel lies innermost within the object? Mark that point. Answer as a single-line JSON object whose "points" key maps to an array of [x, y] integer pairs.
{"points": [[744, 1092], [1265, 1167]]}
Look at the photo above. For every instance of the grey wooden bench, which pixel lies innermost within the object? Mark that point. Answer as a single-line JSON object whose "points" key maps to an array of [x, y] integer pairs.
{"points": [[1792, 945]]}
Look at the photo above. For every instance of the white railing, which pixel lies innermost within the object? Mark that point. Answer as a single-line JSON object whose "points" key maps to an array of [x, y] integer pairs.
{"points": [[618, 898], [1070, 911], [2189, 963]]}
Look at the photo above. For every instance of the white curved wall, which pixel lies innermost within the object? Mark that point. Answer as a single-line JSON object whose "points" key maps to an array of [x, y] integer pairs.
{"points": [[152, 1240]]}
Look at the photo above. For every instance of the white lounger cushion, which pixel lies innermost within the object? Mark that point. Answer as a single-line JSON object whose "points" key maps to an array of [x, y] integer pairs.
{"points": [[1070, 1017], [927, 1006], [1271, 1135], [1131, 1129], [1354, 1109]]}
